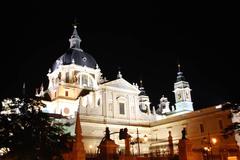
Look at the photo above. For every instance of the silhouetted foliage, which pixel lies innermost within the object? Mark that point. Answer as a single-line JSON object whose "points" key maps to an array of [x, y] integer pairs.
{"points": [[27, 133], [175, 157]]}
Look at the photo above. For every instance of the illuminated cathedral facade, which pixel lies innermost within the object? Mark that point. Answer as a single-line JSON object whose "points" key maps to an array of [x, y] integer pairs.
{"points": [[77, 72], [75, 80]]}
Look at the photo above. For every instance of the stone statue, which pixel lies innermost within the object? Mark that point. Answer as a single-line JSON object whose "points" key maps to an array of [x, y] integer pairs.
{"points": [[184, 133]]}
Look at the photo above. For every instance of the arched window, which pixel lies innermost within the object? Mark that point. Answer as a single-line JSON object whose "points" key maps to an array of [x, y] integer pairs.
{"points": [[122, 104]]}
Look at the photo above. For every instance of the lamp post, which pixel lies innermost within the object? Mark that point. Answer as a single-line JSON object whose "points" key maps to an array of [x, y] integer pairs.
{"points": [[132, 143], [137, 141], [212, 143], [145, 138], [208, 149], [206, 155], [90, 150]]}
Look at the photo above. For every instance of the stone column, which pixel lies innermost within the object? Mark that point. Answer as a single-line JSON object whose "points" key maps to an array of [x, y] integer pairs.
{"points": [[127, 146], [78, 152], [185, 147]]}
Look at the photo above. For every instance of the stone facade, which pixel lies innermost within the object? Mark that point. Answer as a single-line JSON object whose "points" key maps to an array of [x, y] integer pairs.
{"points": [[76, 81]]}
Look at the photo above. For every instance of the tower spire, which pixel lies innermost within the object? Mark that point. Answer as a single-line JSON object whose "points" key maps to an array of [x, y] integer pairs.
{"points": [[141, 83], [78, 152], [180, 76], [75, 40], [179, 67], [141, 88], [24, 90]]}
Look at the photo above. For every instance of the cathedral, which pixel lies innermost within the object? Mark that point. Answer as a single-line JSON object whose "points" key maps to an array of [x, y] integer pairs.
{"points": [[75, 80]]}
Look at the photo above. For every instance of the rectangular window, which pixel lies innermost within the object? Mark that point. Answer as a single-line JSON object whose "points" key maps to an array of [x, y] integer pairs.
{"points": [[220, 124], [90, 83], [60, 76], [84, 80], [201, 128], [121, 107], [67, 77], [66, 93]]}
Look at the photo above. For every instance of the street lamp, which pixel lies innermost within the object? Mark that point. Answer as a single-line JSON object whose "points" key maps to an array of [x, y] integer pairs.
{"points": [[214, 141], [132, 143], [90, 150], [210, 143], [137, 141], [145, 138], [205, 153]]}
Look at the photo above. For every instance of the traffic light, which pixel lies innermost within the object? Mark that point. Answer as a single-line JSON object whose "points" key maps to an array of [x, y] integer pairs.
{"points": [[123, 133]]}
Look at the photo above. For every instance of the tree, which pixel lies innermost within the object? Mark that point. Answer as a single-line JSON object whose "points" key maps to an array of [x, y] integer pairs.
{"points": [[28, 133], [234, 128]]}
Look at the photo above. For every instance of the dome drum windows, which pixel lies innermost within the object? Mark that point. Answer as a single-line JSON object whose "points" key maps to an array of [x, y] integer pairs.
{"points": [[59, 76], [67, 77], [86, 81]]}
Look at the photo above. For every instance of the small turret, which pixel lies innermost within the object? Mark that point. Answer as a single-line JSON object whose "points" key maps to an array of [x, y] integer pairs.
{"points": [[144, 102], [41, 91], [141, 88]]}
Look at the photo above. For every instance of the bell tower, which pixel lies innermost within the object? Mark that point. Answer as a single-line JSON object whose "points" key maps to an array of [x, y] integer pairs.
{"points": [[182, 93]]}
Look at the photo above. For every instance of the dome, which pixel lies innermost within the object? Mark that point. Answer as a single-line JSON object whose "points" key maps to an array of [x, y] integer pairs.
{"points": [[77, 56]]}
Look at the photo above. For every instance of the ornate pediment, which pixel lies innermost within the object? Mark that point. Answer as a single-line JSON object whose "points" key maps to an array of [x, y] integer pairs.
{"points": [[121, 84]]}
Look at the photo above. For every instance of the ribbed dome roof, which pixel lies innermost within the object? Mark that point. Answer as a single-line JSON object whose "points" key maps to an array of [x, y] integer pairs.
{"points": [[77, 56]]}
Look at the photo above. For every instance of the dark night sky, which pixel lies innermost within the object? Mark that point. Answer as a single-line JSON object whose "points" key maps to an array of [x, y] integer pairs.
{"points": [[144, 40]]}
